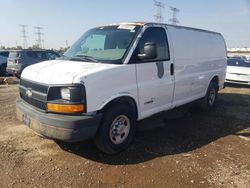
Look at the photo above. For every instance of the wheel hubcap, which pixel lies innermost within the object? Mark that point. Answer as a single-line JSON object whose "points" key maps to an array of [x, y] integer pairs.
{"points": [[212, 96], [119, 129]]}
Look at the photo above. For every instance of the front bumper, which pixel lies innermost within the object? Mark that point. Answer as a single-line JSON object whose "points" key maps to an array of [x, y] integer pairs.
{"points": [[57, 126], [237, 78], [238, 82]]}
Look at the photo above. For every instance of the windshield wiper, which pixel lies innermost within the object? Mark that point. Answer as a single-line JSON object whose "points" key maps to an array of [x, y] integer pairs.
{"points": [[84, 58]]}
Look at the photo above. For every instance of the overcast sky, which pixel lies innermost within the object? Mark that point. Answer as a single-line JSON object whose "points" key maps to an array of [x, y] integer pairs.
{"points": [[67, 20]]}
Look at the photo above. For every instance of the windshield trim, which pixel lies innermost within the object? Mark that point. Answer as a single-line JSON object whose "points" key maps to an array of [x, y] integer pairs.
{"points": [[130, 47]]}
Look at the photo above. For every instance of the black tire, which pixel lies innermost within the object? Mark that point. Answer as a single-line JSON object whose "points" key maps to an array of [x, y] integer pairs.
{"points": [[105, 138], [3, 69], [209, 100]]}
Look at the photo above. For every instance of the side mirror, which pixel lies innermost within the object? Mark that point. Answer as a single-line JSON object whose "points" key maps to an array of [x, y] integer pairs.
{"points": [[149, 51]]}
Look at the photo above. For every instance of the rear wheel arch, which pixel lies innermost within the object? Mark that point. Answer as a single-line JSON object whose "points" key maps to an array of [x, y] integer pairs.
{"points": [[207, 102], [215, 80]]}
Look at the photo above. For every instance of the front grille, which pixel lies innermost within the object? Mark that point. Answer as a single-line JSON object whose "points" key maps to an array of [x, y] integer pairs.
{"points": [[37, 98], [39, 104], [34, 86]]}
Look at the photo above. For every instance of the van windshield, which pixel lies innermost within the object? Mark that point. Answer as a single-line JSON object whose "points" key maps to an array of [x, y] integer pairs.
{"points": [[103, 44]]}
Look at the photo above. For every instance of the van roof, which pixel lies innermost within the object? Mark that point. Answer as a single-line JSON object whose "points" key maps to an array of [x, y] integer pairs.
{"points": [[155, 23]]}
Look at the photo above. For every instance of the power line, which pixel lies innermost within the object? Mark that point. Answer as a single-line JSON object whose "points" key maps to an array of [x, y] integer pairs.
{"points": [[174, 19], [24, 35], [159, 6], [39, 37]]}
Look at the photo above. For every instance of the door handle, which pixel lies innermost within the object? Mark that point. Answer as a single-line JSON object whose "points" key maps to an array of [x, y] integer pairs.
{"points": [[171, 69]]}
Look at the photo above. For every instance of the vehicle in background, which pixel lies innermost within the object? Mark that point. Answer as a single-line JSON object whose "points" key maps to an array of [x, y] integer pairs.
{"points": [[3, 62], [242, 57], [116, 75], [19, 59], [238, 71]]}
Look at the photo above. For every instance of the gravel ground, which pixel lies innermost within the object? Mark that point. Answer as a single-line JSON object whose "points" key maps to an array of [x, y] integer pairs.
{"points": [[197, 149]]}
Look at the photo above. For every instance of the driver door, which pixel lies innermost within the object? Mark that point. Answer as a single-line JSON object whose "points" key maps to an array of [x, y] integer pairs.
{"points": [[155, 76]]}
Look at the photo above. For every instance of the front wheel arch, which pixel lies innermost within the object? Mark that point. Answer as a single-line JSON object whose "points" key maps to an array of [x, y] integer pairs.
{"points": [[123, 100]]}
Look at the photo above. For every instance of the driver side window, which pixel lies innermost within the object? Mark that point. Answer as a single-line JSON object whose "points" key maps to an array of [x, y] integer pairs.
{"points": [[157, 36]]}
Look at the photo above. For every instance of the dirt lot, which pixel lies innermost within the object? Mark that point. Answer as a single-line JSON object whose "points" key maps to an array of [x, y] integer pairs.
{"points": [[200, 149]]}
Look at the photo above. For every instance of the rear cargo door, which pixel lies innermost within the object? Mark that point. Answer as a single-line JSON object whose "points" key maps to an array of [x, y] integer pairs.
{"points": [[155, 77]]}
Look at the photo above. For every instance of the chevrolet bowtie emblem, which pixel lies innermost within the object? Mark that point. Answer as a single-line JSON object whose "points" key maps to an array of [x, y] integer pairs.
{"points": [[29, 93]]}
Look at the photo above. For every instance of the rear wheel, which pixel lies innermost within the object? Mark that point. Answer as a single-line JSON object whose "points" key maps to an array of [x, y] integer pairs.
{"points": [[209, 100], [116, 130]]}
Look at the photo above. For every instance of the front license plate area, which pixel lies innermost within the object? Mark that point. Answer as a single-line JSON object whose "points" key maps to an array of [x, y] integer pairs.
{"points": [[26, 120]]}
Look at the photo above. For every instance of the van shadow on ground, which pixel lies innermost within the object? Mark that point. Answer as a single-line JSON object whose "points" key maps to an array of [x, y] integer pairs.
{"points": [[160, 135]]}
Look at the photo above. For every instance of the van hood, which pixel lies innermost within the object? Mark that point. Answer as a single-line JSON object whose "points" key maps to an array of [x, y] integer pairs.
{"points": [[61, 71]]}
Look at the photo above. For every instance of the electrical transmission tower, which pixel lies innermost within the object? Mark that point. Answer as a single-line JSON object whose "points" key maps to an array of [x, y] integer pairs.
{"points": [[174, 19], [39, 37], [67, 43], [43, 43], [24, 35], [159, 6]]}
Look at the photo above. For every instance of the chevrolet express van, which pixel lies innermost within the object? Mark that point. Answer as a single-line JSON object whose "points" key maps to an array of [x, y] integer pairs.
{"points": [[118, 74]]}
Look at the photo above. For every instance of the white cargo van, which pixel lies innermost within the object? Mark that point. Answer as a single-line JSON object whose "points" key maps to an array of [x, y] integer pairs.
{"points": [[118, 74]]}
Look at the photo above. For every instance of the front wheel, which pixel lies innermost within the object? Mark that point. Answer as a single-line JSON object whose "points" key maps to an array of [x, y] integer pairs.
{"points": [[209, 100], [116, 130]]}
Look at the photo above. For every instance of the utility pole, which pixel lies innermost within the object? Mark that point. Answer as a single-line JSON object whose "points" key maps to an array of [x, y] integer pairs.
{"points": [[159, 6], [39, 37], [174, 19], [67, 43], [43, 44], [24, 35]]}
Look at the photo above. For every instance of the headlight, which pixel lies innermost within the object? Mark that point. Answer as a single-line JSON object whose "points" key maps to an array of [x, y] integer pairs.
{"points": [[67, 99], [65, 93]]}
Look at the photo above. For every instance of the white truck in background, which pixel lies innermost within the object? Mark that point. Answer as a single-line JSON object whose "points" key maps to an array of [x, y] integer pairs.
{"points": [[118, 74]]}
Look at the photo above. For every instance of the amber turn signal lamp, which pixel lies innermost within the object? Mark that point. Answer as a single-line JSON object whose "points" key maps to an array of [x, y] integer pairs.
{"points": [[65, 107]]}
